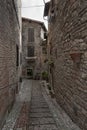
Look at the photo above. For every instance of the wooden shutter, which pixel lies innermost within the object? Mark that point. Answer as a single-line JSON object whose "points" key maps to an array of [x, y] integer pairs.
{"points": [[31, 35]]}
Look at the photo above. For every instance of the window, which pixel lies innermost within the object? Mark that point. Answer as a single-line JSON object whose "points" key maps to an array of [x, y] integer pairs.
{"points": [[31, 35], [17, 55], [29, 72], [45, 35], [30, 51]]}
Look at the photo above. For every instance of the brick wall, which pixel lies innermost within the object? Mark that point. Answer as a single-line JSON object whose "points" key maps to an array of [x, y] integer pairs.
{"points": [[9, 37], [68, 43]]}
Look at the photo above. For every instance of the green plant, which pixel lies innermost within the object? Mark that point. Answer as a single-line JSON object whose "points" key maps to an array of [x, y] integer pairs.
{"points": [[51, 63], [49, 87], [45, 75]]}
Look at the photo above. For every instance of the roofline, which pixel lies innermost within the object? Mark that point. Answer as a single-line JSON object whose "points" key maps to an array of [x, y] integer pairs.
{"points": [[36, 21]]}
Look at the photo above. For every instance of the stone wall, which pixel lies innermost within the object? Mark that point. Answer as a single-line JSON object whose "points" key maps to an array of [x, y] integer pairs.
{"points": [[9, 38], [36, 61], [68, 49]]}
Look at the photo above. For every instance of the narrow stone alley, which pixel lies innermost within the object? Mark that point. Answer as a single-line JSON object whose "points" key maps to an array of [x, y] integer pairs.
{"points": [[40, 115], [34, 109], [43, 65]]}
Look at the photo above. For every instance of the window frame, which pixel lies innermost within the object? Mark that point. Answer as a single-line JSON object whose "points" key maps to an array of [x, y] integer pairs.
{"points": [[30, 51]]}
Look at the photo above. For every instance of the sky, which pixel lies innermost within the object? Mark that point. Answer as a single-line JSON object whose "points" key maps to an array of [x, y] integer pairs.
{"points": [[34, 12]]}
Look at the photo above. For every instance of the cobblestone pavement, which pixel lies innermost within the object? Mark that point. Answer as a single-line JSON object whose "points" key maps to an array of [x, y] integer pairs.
{"points": [[40, 117], [23, 97], [43, 112], [63, 121]]}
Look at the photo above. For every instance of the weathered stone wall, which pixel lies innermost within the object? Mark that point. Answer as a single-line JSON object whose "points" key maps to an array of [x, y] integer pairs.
{"points": [[68, 43], [36, 63], [9, 37]]}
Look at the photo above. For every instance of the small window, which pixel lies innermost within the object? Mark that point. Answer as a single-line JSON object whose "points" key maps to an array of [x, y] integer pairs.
{"points": [[29, 72], [31, 35], [30, 51], [45, 35]]}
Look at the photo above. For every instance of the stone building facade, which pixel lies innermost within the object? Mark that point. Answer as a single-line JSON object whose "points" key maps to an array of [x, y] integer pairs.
{"points": [[10, 33], [67, 47], [32, 39]]}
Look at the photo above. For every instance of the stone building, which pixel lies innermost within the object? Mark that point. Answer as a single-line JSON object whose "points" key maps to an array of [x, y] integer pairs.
{"points": [[67, 47], [10, 39], [33, 33]]}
